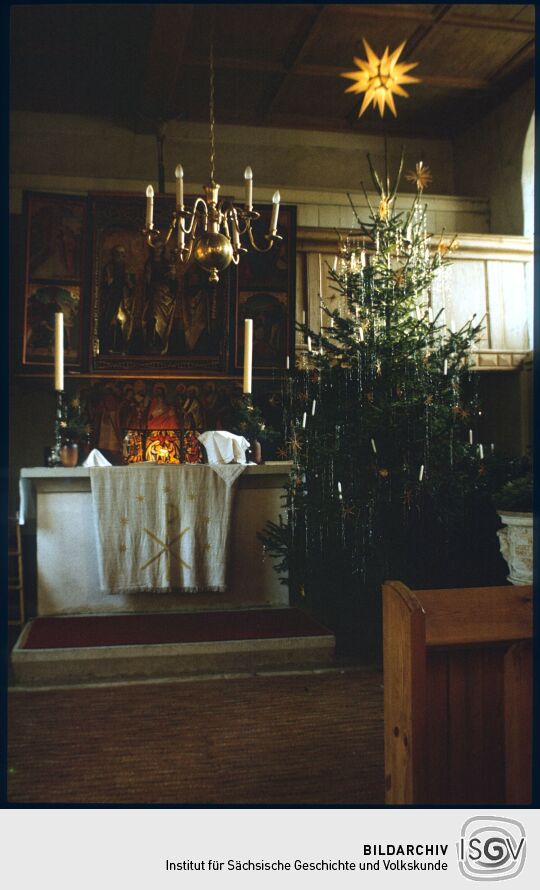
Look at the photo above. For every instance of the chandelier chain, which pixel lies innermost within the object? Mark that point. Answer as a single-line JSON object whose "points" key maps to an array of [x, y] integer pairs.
{"points": [[212, 118]]}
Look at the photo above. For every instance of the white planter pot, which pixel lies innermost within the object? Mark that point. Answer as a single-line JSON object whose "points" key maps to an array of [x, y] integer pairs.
{"points": [[516, 543]]}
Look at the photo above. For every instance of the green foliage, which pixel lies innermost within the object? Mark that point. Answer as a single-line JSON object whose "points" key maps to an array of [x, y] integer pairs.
{"points": [[379, 415], [74, 425], [516, 495], [248, 421]]}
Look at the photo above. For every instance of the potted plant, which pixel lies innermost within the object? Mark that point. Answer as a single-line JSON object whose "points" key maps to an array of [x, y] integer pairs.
{"points": [[75, 431], [514, 504], [249, 422]]}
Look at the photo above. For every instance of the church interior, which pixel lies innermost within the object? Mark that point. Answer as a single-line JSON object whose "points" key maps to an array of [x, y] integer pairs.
{"points": [[270, 440]]}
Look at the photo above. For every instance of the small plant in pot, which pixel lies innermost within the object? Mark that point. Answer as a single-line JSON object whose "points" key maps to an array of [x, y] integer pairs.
{"points": [[75, 432], [514, 504], [249, 422]]}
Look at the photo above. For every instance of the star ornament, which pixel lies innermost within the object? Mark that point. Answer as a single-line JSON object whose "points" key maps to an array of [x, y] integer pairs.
{"points": [[420, 177], [380, 79]]}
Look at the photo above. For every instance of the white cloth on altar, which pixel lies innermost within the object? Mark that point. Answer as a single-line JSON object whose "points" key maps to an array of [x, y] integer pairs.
{"points": [[223, 447], [27, 501], [162, 528], [96, 459]]}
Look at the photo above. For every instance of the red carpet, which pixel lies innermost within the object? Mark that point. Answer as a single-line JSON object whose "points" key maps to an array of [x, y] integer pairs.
{"points": [[177, 627]]}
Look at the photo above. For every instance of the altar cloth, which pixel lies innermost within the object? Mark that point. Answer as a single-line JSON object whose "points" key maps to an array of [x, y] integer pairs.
{"points": [[162, 528]]}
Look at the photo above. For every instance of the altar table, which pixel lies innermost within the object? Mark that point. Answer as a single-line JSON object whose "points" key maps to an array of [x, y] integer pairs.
{"points": [[67, 568]]}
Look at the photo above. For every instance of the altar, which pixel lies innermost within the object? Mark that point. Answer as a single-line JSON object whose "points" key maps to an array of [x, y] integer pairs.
{"points": [[67, 560]]}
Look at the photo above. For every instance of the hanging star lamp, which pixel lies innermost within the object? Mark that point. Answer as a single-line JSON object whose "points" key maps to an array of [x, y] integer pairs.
{"points": [[380, 78]]}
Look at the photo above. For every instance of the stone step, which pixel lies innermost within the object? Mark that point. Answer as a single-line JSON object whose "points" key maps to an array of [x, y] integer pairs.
{"points": [[65, 649]]}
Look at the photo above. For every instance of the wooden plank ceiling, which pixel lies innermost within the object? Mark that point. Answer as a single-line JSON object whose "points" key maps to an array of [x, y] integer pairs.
{"points": [[276, 64]]}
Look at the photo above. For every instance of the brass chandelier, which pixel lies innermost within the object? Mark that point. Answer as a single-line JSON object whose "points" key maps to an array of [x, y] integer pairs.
{"points": [[213, 229]]}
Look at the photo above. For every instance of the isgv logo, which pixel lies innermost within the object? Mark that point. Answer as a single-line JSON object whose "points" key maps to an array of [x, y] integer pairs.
{"points": [[491, 848]]}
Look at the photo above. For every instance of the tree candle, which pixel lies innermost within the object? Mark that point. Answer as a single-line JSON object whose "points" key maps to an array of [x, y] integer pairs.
{"points": [[59, 351], [248, 353]]}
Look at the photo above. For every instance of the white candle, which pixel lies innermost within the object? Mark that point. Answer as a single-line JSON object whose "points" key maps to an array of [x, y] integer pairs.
{"points": [[334, 264], [248, 353], [363, 258], [421, 473], [361, 334], [309, 343], [303, 316], [418, 313], [481, 452], [445, 367], [452, 326], [430, 315], [276, 198], [492, 446], [313, 406], [304, 418], [320, 279], [179, 174], [470, 437], [149, 207], [374, 446], [288, 363], [339, 491], [59, 351], [248, 176], [409, 234]]}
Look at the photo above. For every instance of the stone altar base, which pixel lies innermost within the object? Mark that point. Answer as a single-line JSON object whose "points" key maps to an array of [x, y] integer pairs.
{"points": [[60, 650]]}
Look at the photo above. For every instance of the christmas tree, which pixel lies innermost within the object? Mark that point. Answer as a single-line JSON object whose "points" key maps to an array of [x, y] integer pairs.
{"points": [[387, 479]]}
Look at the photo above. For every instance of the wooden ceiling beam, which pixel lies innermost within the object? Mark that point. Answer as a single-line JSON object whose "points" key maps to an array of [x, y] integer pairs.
{"points": [[436, 80], [524, 54], [304, 70], [165, 51], [400, 12], [309, 28]]}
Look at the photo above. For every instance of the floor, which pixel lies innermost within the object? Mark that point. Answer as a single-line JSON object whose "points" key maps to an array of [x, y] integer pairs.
{"points": [[313, 737]]}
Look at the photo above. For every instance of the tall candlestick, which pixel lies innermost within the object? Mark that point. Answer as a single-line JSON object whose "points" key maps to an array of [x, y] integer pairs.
{"points": [[59, 351], [149, 207], [248, 353]]}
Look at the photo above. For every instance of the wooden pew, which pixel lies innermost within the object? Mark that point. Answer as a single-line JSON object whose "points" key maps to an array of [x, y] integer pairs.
{"points": [[457, 695]]}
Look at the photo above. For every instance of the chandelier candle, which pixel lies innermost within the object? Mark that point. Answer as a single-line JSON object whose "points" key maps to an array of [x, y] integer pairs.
{"points": [[248, 176], [248, 353], [149, 207], [179, 175], [276, 198], [59, 351]]}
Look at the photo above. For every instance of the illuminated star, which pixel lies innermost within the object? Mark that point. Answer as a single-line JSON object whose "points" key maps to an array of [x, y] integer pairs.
{"points": [[429, 399], [349, 510], [380, 78], [282, 453], [421, 176]]}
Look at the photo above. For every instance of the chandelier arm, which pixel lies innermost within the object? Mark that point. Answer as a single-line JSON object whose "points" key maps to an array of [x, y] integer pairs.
{"points": [[269, 238]]}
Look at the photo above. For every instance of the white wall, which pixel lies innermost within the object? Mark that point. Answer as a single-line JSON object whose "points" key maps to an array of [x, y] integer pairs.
{"points": [[488, 159]]}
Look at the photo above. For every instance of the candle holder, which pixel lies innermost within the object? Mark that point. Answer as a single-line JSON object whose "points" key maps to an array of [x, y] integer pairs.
{"points": [[55, 459]]}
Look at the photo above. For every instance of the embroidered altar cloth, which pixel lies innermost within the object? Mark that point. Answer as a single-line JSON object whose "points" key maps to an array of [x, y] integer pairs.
{"points": [[163, 528]]}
